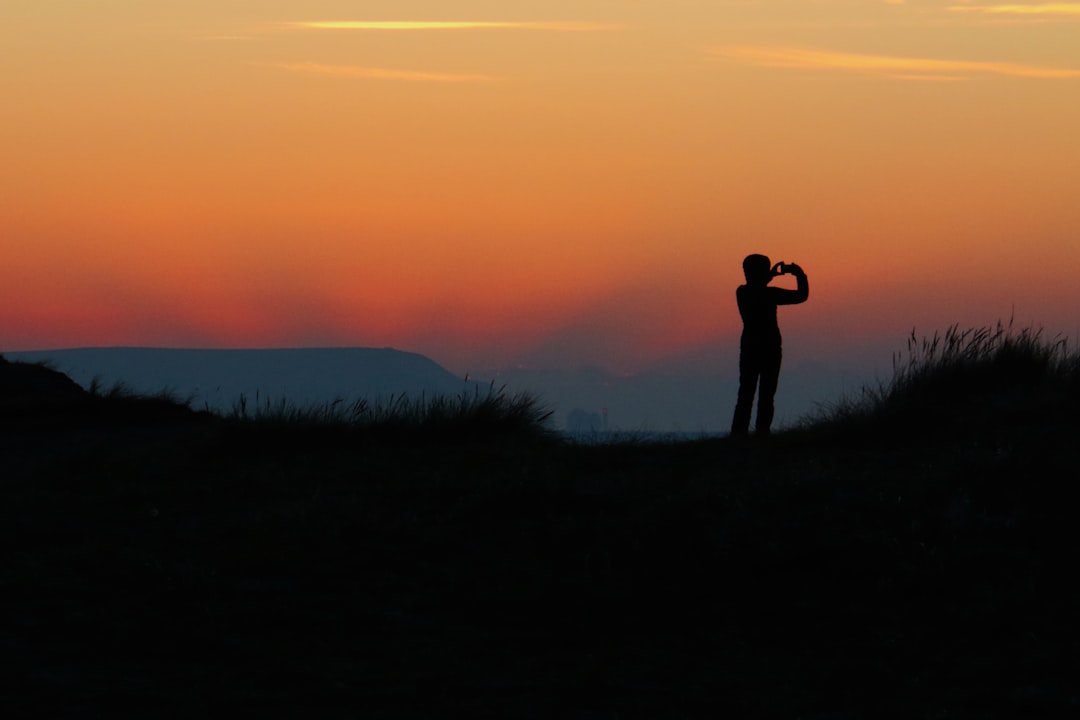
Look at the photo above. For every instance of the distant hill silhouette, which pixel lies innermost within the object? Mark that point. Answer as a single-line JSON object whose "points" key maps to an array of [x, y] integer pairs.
{"points": [[217, 378]]}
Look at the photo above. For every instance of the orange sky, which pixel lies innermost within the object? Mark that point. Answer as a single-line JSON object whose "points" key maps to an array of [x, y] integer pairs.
{"points": [[567, 182]]}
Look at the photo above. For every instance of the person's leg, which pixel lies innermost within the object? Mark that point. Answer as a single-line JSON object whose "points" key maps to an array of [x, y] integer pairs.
{"points": [[770, 376], [748, 380]]}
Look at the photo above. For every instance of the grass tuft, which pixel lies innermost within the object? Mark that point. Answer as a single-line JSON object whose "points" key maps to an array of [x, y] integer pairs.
{"points": [[963, 379], [494, 411]]}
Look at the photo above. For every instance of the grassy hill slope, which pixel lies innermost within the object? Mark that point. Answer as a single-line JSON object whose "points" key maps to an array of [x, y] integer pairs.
{"points": [[908, 554]]}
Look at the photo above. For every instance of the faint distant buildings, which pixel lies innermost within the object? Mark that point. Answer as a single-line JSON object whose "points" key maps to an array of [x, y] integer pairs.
{"points": [[582, 421]]}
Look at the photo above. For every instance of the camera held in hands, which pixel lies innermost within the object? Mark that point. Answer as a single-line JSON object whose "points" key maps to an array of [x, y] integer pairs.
{"points": [[782, 268]]}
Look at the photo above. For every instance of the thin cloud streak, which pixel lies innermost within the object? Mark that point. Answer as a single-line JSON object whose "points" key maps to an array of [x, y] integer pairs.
{"points": [[403, 25], [372, 73], [1044, 9], [898, 67], [928, 78]]}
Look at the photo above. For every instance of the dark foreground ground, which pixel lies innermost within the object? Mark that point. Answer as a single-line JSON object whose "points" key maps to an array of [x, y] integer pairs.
{"points": [[170, 565]]}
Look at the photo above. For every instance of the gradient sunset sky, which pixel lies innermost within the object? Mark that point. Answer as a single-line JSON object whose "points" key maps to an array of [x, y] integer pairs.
{"points": [[532, 181]]}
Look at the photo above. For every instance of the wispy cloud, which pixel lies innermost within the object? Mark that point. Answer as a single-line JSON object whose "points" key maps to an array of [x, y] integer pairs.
{"points": [[928, 78], [1038, 9], [373, 73], [400, 25], [898, 67]]}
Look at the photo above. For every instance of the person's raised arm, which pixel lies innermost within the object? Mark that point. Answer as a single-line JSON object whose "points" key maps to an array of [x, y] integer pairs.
{"points": [[802, 286], [784, 296]]}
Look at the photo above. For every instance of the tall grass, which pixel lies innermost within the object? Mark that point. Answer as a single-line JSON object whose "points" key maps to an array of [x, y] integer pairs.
{"points": [[965, 377], [493, 410], [121, 392]]}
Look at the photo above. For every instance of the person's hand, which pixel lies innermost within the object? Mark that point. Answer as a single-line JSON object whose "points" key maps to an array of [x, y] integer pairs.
{"points": [[795, 270]]}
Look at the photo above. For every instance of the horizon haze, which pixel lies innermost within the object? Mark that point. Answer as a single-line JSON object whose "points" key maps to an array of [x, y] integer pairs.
{"points": [[583, 399]]}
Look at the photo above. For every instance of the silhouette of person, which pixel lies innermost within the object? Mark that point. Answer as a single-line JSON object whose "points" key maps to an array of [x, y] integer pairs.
{"points": [[760, 347]]}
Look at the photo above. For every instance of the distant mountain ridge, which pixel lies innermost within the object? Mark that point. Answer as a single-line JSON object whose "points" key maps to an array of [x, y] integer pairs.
{"points": [[217, 378]]}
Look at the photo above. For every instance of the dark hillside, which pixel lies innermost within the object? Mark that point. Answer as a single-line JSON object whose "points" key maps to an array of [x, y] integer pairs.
{"points": [[30, 381], [353, 565]]}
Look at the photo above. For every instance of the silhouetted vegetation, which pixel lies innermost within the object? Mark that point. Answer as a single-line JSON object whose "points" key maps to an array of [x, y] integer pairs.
{"points": [[965, 381], [491, 412], [907, 554]]}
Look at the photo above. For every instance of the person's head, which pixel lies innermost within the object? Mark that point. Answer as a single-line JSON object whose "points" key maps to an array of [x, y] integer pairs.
{"points": [[757, 269]]}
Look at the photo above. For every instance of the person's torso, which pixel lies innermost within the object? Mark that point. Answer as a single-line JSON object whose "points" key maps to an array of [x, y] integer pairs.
{"points": [[758, 311]]}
